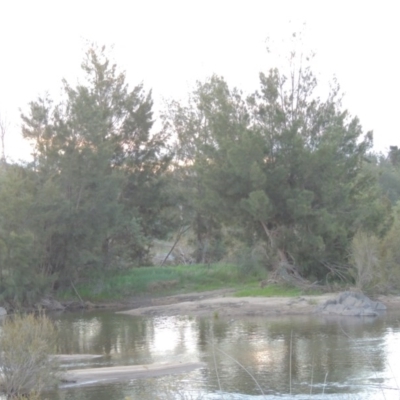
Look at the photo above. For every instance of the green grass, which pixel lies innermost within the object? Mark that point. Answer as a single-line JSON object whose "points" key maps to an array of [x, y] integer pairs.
{"points": [[161, 281], [274, 290], [169, 280]]}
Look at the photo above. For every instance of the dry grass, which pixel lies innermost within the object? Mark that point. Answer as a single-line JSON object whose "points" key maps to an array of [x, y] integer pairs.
{"points": [[27, 342]]}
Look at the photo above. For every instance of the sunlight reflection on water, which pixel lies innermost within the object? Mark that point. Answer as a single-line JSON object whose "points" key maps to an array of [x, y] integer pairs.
{"points": [[307, 356]]}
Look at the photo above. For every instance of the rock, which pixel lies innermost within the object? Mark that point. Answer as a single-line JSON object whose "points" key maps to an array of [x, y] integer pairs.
{"points": [[3, 312], [50, 304], [352, 304]]}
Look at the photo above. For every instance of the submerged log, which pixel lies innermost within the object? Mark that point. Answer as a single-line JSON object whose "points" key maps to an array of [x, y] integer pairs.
{"points": [[96, 376]]}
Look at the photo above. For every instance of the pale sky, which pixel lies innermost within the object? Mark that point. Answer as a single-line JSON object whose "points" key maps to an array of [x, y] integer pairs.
{"points": [[170, 44]]}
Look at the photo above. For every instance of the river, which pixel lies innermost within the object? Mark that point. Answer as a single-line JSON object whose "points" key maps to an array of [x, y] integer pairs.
{"points": [[298, 357]]}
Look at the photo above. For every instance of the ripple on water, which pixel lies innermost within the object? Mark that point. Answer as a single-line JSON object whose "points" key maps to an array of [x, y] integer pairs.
{"points": [[308, 356]]}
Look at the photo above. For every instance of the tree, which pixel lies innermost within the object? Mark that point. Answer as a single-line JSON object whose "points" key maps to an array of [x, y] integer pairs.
{"points": [[99, 172], [283, 165], [190, 125], [20, 280], [388, 172]]}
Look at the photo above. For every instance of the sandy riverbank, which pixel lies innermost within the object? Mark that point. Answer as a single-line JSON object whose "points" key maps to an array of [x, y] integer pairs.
{"points": [[225, 305]]}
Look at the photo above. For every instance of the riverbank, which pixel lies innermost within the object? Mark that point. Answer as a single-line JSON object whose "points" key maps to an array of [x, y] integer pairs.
{"points": [[196, 290], [155, 286], [222, 303], [233, 306]]}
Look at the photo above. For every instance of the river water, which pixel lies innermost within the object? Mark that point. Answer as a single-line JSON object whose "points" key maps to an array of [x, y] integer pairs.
{"points": [[301, 357]]}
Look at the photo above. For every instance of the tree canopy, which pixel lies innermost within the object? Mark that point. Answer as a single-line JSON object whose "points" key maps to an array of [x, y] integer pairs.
{"points": [[282, 164], [95, 192], [283, 168]]}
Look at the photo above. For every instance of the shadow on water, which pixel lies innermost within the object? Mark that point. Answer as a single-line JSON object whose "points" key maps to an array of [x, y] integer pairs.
{"points": [[300, 356]]}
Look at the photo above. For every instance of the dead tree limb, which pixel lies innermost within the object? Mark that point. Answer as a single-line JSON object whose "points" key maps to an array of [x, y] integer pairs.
{"points": [[181, 231]]}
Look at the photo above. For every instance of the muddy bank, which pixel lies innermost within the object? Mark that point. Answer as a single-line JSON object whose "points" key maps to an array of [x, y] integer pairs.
{"points": [[229, 306], [225, 305]]}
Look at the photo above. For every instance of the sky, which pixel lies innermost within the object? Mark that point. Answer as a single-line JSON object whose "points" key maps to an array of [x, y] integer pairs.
{"points": [[168, 45]]}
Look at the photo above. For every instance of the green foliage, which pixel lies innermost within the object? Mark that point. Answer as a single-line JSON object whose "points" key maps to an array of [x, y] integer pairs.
{"points": [[390, 256], [252, 261], [365, 257], [196, 202], [376, 261], [26, 343], [387, 169], [282, 166], [95, 197], [98, 198], [20, 281], [210, 277]]}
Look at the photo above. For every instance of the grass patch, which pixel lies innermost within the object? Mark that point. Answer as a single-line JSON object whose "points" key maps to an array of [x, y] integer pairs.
{"points": [[160, 281], [169, 280]]}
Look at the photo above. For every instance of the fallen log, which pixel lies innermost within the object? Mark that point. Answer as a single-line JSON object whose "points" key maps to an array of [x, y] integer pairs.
{"points": [[98, 376]]}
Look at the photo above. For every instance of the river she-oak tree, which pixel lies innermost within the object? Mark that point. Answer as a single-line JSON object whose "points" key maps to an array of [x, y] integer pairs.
{"points": [[93, 195], [281, 167]]}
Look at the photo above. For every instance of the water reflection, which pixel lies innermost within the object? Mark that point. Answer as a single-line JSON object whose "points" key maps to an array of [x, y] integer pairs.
{"points": [[301, 356]]}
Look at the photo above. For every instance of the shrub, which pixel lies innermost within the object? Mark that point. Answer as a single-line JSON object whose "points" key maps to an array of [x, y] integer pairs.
{"points": [[26, 343], [252, 261], [390, 250], [365, 255]]}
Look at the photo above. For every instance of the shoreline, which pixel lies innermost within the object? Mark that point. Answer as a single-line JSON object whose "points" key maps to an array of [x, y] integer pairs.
{"points": [[207, 304], [224, 304]]}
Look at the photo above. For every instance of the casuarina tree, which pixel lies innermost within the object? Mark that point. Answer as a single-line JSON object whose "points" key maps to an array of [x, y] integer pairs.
{"points": [[98, 170], [283, 165]]}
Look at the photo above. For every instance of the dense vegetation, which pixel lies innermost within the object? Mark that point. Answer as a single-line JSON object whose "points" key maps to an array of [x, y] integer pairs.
{"points": [[281, 173]]}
